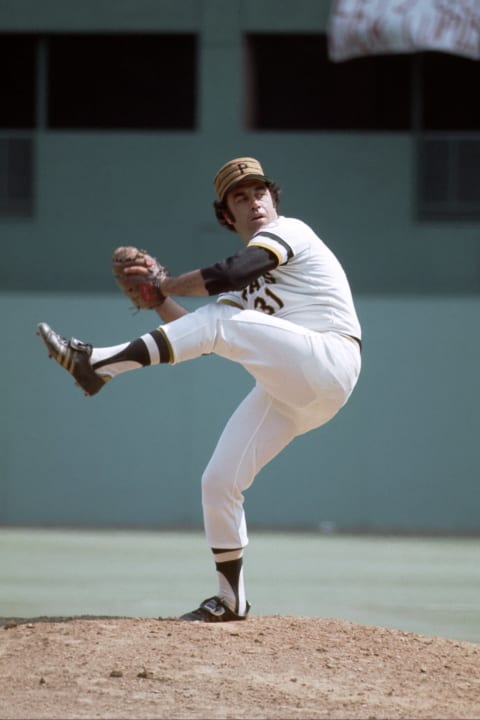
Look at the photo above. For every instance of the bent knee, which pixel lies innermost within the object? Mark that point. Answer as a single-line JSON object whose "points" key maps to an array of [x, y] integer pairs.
{"points": [[217, 488]]}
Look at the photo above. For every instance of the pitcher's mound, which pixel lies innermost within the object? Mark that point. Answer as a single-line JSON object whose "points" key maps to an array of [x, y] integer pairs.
{"points": [[274, 667]]}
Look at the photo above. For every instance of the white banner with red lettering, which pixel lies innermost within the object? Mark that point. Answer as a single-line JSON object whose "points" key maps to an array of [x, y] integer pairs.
{"points": [[384, 27]]}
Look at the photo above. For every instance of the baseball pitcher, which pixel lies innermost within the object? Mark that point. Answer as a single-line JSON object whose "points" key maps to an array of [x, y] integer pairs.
{"points": [[283, 310]]}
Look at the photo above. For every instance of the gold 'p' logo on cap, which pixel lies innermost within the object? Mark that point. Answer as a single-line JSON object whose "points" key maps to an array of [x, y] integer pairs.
{"points": [[234, 172]]}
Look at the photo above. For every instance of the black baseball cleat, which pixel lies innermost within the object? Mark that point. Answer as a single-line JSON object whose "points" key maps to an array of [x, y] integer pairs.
{"points": [[212, 610], [74, 356]]}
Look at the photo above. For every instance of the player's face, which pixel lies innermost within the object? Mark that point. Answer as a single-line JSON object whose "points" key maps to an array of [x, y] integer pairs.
{"points": [[251, 206]]}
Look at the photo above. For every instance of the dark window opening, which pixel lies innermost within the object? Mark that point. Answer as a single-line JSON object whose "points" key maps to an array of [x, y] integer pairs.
{"points": [[17, 81], [450, 92], [122, 82], [294, 86], [449, 138]]}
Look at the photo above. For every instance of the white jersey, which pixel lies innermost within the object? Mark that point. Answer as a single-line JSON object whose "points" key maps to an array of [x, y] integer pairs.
{"points": [[308, 287]]}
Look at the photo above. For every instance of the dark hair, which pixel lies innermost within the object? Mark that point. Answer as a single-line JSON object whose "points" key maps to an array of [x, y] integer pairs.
{"points": [[221, 208]]}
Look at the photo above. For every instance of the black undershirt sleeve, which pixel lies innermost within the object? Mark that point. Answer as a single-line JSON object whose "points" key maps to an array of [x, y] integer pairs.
{"points": [[237, 271]]}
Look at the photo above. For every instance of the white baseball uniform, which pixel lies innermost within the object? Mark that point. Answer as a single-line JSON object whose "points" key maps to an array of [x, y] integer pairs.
{"points": [[296, 331]]}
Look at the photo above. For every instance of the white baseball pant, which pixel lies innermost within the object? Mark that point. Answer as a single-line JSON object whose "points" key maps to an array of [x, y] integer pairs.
{"points": [[303, 378]]}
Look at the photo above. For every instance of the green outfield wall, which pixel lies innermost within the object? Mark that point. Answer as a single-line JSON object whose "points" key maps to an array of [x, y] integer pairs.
{"points": [[403, 456]]}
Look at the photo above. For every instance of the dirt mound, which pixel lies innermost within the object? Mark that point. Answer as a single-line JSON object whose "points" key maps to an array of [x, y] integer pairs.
{"points": [[274, 667]]}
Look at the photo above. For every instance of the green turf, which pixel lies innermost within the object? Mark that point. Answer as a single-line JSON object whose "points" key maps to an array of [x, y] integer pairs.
{"points": [[424, 585]]}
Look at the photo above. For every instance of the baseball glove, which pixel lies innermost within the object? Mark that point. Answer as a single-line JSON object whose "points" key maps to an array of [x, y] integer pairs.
{"points": [[141, 284]]}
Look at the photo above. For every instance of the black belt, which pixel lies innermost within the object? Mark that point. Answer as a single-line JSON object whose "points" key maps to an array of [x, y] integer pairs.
{"points": [[358, 341], [355, 339]]}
